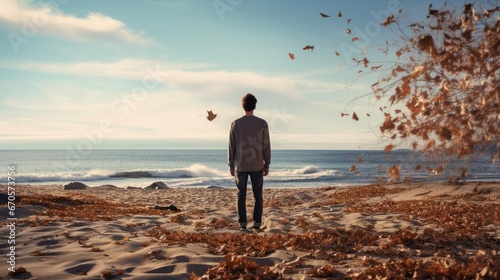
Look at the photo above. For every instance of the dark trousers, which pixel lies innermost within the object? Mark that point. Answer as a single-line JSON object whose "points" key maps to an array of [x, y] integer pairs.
{"points": [[257, 179]]}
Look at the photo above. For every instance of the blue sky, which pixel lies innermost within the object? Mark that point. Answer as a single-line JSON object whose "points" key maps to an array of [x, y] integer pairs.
{"points": [[142, 74]]}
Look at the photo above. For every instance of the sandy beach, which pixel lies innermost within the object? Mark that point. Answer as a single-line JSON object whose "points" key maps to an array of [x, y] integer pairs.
{"points": [[397, 231]]}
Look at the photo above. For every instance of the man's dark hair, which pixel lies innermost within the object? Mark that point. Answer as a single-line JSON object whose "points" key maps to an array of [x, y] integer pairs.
{"points": [[248, 102]]}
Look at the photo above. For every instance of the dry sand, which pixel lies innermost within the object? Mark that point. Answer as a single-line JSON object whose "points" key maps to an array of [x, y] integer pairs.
{"points": [[395, 231]]}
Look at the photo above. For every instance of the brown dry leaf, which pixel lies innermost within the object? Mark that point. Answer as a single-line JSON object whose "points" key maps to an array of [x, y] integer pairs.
{"points": [[96, 249], [308, 47], [211, 116], [323, 15], [399, 53], [111, 273], [375, 68], [388, 20], [343, 114], [337, 53], [339, 14], [353, 168], [388, 148], [355, 117], [348, 31], [394, 172], [291, 55], [360, 159], [323, 271], [354, 39], [348, 20], [20, 270]]}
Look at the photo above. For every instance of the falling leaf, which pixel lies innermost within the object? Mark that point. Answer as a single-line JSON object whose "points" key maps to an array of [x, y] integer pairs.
{"points": [[364, 50], [352, 169], [343, 114], [360, 159], [291, 56], [339, 14], [388, 20], [355, 39], [375, 68], [359, 72], [337, 53], [399, 53], [324, 15], [348, 20], [355, 117], [211, 116], [368, 115], [348, 31], [388, 148], [394, 172], [308, 47], [365, 62]]}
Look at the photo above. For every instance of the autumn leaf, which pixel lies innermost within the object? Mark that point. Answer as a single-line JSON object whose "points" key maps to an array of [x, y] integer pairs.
{"points": [[360, 159], [211, 116], [324, 15], [388, 20], [388, 148], [352, 169], [365, 62], [348, 20], [354, 39], [375, 68], [348, 31], [394, 172], [308, 47], [399, 53], [339, 14], [355, 117], [343, 114], [291, 56], [337, 53]]}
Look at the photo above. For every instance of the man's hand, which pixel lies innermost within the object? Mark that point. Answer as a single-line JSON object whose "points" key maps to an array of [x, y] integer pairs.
{"points": [[266, 171], [231, 171]]}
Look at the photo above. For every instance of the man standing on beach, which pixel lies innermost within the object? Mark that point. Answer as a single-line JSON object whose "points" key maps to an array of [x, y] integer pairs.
{"points": [[249, 155]]}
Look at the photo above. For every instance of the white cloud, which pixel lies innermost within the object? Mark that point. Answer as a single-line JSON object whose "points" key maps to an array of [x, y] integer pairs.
{"points": [[175, 105], [29, 20], [189, 77]]}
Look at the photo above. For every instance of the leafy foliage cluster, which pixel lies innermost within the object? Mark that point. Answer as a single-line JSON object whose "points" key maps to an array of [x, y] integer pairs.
{"points": [[444, 90]]}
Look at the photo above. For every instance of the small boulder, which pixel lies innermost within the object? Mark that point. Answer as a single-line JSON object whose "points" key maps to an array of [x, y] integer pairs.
{"points": [[157, 186], [171, 208], [75, 186]]}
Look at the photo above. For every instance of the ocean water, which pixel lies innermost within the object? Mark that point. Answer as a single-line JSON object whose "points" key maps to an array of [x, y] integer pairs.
{"points": [[202, 168]]}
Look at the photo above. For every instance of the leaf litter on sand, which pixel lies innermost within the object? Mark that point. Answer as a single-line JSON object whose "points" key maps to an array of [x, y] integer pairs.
{"points": [[455, 245]]}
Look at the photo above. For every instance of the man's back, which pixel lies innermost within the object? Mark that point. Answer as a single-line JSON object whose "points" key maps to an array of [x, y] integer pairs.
{"points": [[249, 144]]}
